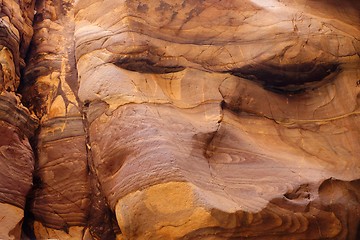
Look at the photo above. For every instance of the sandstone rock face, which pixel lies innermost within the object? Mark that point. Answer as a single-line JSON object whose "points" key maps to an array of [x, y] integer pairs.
{"points": [[180, 119], [17, 125]]}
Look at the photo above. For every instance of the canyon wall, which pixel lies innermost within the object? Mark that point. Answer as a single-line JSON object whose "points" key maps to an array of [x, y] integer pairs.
{"points": [[180, 119]]}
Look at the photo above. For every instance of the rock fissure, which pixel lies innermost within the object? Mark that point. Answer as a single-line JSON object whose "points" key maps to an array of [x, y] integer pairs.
{"points": [[99, 211]]}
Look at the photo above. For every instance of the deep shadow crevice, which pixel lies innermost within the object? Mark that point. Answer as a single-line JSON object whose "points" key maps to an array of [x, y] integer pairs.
{"points": [[290, 78]]}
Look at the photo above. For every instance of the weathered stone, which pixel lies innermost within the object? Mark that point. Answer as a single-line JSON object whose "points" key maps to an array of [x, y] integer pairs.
{"points": [[17, 124], [11, 218], [182, 119], [252, 111]]}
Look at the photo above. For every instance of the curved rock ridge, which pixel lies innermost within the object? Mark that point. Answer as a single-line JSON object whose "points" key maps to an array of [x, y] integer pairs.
{"points": [[173, 34], [181, 119], [194, 208], [17, 124], [225, 127]]}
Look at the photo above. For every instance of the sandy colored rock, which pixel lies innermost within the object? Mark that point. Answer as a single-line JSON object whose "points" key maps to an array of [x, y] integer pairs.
{"points": [[181, 119], [173, 210], [42, 232], [254, 108], [11, 219]]}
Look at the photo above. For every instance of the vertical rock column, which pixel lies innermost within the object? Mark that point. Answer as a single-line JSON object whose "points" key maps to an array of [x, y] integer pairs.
{"points": [[61, 192], [16, 123], [67, 201]]}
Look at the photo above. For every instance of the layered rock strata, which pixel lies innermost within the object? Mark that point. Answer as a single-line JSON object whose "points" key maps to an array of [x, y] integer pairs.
{"points": [[224, 119], [182, 119], [66, 200], [17, 125]]}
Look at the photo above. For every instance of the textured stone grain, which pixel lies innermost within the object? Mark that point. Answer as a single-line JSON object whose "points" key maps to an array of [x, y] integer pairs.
{"points": [[181, 119]]}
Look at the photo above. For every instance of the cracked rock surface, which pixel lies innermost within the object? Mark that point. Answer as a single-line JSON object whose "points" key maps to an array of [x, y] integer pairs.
{"points": [[181, 119]]}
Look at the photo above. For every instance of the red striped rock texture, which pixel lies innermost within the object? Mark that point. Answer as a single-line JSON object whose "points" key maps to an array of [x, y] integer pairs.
{"points": [[17, 125], [183, 119]]}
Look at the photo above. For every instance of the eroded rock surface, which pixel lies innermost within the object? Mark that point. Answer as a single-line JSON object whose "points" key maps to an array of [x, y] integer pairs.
{"points": [[211, 119], [17, 125]]}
